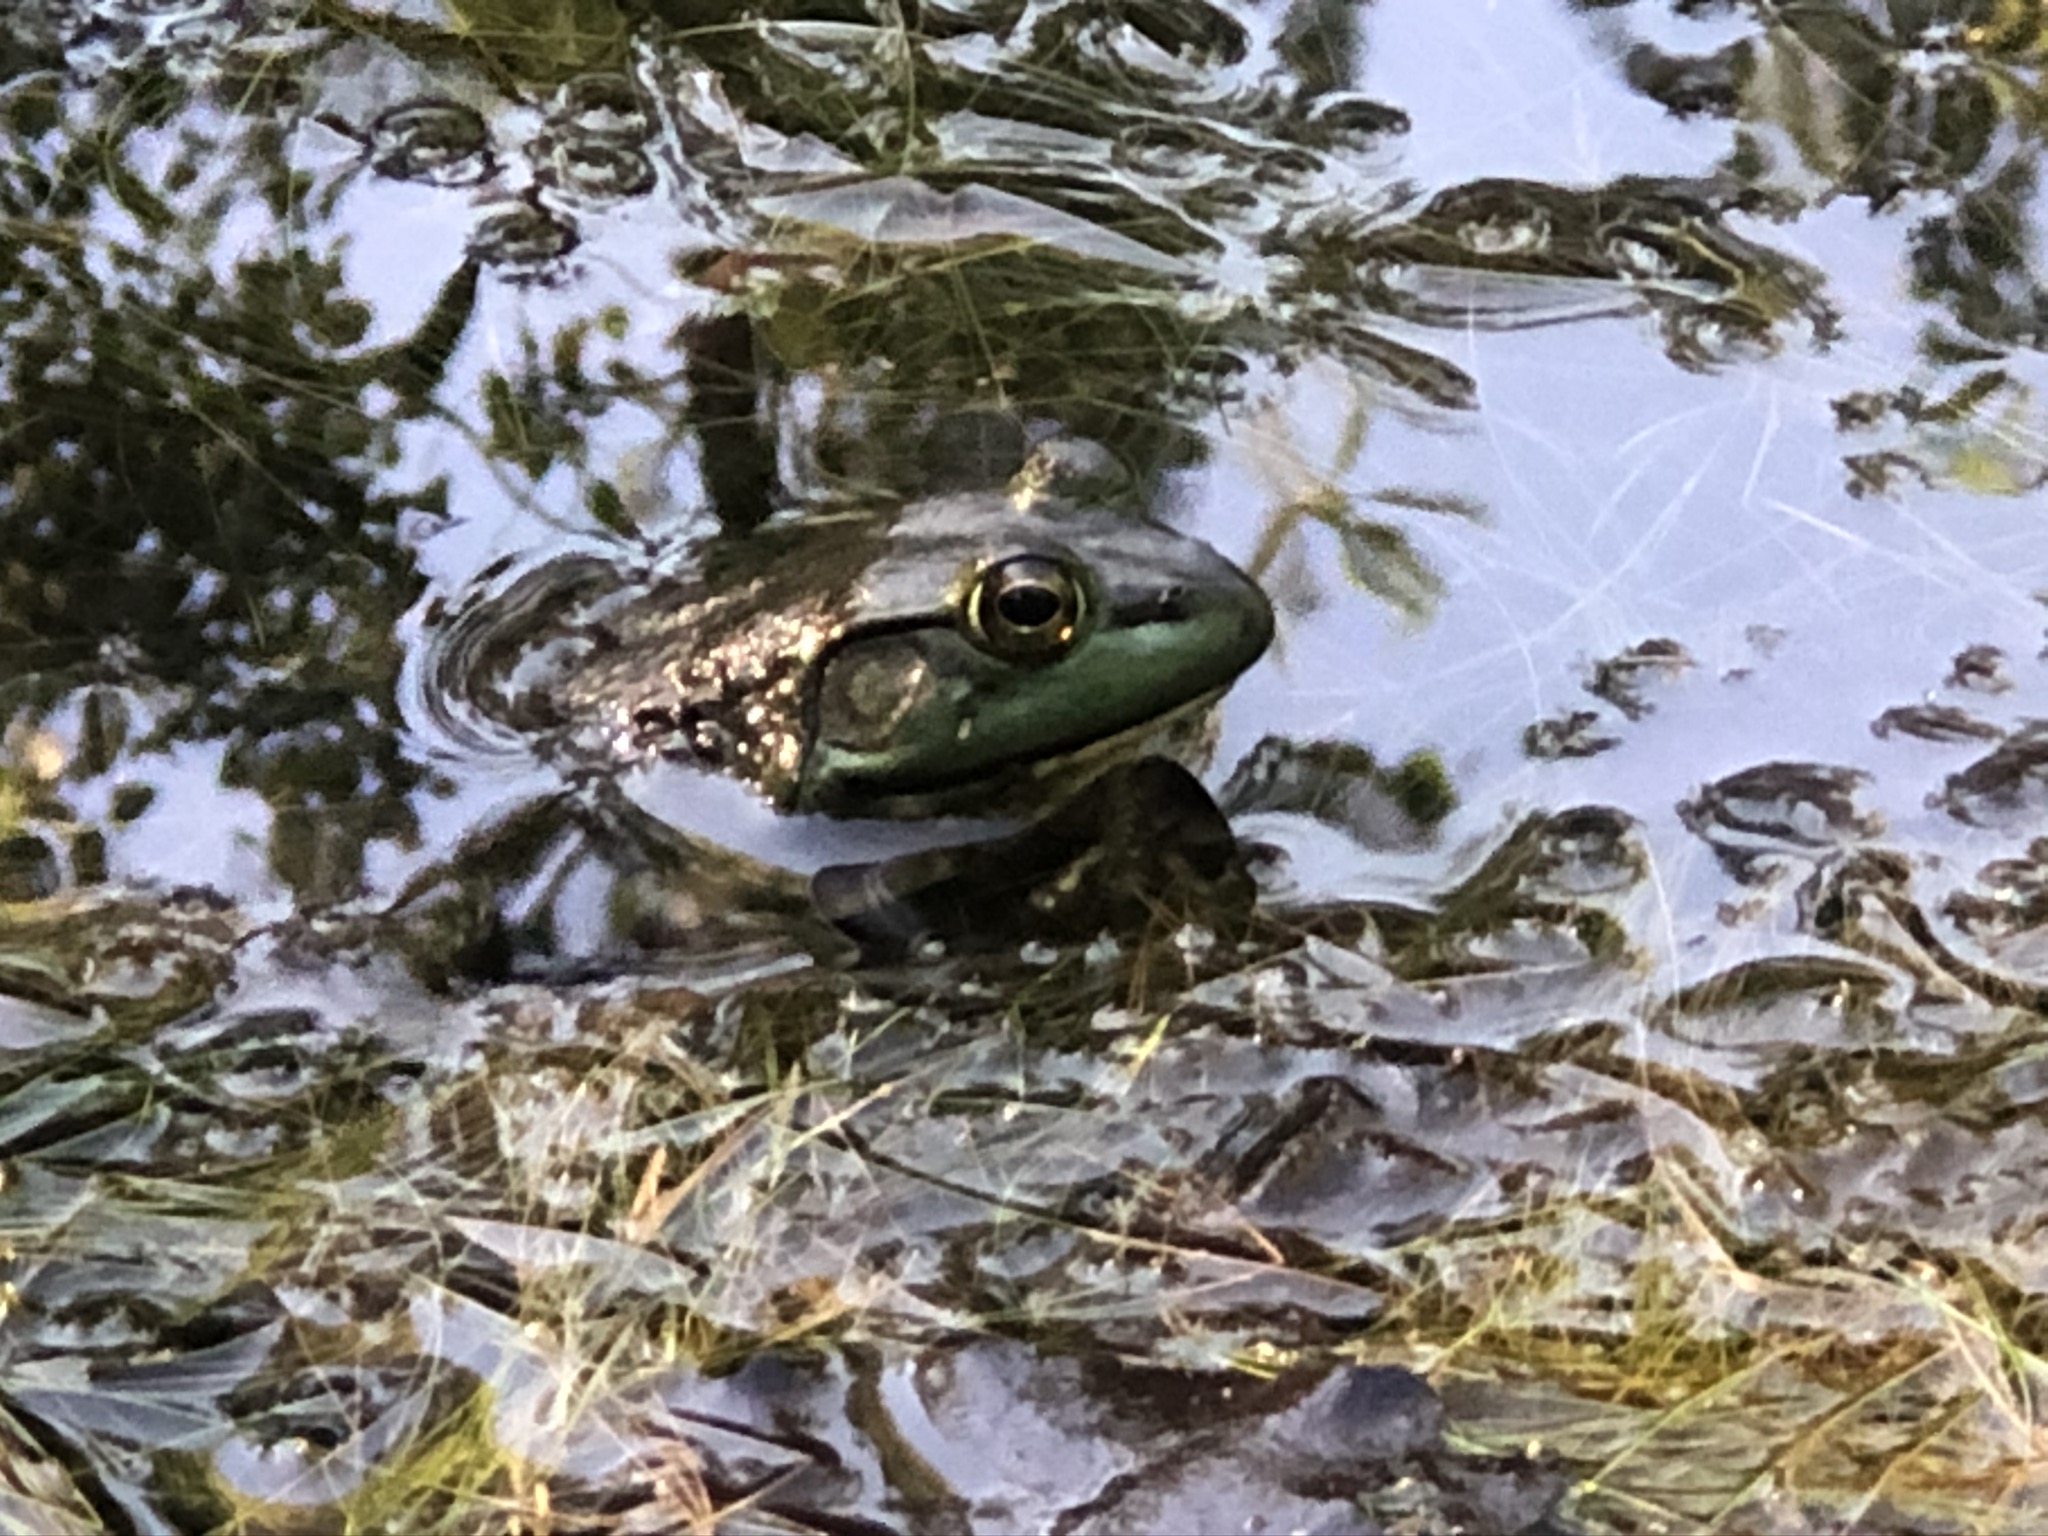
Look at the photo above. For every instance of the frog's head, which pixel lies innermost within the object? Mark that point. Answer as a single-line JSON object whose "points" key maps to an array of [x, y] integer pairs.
{"points": [[979, 653], [991, 657]]}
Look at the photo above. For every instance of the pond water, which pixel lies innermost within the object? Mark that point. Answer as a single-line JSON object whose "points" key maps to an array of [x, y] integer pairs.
{"points": [[1559, 1049]]}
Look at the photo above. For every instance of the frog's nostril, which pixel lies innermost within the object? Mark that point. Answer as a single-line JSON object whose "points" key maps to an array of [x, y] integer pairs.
{"points": [[654, 720]]}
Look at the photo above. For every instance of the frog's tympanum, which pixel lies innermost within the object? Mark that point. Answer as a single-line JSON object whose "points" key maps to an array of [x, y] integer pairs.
{"points": [[964, 654]]}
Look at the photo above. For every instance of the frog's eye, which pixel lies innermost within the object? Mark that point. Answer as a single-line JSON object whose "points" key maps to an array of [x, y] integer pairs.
{"points": [[1025, 608]]}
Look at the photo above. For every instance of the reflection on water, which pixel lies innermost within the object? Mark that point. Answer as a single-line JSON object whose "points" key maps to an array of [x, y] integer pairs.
{"points": [[1576, 1065]]}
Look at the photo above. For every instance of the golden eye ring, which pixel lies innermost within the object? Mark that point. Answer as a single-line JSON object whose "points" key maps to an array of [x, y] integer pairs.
{"points": [[1027, 608]]}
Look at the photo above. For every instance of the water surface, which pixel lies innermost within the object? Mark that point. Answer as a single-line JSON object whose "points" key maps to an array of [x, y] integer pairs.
{"points": [[1623, 1116]]}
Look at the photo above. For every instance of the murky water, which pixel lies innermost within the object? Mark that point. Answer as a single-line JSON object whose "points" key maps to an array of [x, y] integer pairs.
{"points": [[1567, 1058]]}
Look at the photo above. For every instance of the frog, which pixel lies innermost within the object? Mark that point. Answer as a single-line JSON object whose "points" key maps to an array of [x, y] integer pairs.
{"points": [[973, 653]]}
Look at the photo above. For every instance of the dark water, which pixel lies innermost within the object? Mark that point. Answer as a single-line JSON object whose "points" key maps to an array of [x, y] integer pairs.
{"points": [[1575, 1066]]}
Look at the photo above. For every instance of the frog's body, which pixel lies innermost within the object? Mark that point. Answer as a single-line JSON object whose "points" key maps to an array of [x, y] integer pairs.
{"points": [[962, 655]]}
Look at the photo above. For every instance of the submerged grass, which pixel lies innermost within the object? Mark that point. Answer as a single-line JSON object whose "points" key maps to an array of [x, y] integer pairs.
{"points": [[1717, 1392]]}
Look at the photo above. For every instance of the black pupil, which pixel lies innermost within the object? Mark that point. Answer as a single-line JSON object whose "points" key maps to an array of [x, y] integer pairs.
{"points": [[1028, 607]]}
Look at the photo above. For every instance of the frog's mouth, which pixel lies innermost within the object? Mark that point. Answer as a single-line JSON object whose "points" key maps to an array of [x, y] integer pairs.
{"points": [[1003, 739], [1026, 781]]}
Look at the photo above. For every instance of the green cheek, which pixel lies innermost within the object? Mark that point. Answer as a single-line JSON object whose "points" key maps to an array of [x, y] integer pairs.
{"points": [[926, 714]]}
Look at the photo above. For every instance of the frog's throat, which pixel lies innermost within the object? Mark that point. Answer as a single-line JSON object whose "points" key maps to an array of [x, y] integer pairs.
{"points": [[1025, 785]]}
